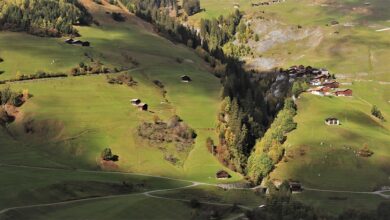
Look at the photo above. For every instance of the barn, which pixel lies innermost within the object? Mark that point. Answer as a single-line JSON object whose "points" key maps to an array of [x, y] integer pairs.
{"points": [[222, 174], [135, 101], [346, 92], [185, 78], [332, 121], [142, 106]]}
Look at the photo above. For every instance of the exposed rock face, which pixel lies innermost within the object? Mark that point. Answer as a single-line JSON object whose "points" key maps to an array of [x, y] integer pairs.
{"points": [[274, 35]]}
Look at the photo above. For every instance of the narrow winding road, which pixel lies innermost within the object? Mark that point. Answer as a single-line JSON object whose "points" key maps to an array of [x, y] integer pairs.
{"points": [[380, 193]]}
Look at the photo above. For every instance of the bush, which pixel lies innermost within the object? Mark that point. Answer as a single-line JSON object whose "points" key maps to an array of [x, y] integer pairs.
{"points": [[191, 6], [377, 113], [210, 145], [118, 17], [194, 203], [108, 156], [124, 78], [299, 87]]}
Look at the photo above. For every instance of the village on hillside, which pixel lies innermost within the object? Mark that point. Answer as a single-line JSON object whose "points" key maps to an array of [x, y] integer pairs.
{"points": [[322, 83]]}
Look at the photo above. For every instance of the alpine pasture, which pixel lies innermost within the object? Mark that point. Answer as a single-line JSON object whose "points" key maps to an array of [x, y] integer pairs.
{"points": [[76, 117]]}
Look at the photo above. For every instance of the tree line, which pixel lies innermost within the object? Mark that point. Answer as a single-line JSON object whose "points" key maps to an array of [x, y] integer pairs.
{"points": [[43, 17]]}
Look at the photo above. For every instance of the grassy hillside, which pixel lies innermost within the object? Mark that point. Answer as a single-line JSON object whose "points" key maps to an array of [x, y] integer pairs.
{"points": [[330, 152], [75, 118], [99, 114], [356, 51]]}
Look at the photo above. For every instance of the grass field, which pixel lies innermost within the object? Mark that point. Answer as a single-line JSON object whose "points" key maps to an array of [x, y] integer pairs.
{"points": [[213, 194], [330, 152], [90, 106], [356, 53], [304, 12], [77, 117], [25, 186], [134, 207], [335, 203]]}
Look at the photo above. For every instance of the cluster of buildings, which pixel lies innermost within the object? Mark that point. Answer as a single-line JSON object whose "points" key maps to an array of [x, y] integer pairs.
{"points": [[321, 81]]}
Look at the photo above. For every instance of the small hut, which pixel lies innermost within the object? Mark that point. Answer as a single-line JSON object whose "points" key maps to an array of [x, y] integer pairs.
{"points": [[85, 44], [222, 174], [135, 101], [331, 84], [142, 106], [364, 152], [332, 121], [295, 186], [346, 92], [69, 41], [185, 78], [79, 42]]}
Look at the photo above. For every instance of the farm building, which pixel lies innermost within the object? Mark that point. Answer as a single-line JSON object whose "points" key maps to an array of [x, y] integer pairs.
{"points": [[324, 71], [77, 42], [332, 121], [321, 77], [135, 101], [69, 41], [346, 92], [222, 174], [315, 82], [85, 44], [331, 84], [321, 91], [295, 186], [142, 106], [185, 78]]}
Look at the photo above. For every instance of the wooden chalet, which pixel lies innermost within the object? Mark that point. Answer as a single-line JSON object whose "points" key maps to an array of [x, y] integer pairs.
{"points": [[320, 90], [332, 121], [345, 92], [295, 186], [69, 41], [331, 84], [142, 106], [222, 174], [185, 78], [135, 101]]}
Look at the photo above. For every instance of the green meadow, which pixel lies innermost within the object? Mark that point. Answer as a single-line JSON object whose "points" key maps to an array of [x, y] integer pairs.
{"points": [[86, 114], [357, 54], [329, 152], [75, 118]]}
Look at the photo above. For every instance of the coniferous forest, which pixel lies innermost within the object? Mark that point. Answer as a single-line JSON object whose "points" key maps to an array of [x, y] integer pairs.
{"points": [[43, 17], [249, 106]]}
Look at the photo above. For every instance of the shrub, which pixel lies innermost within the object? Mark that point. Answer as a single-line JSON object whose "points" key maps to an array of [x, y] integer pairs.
{"points": [[118, 17], [194, 203], [210, 145], [191, 6], [108, 156], [377, 113], [299, 87]]}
